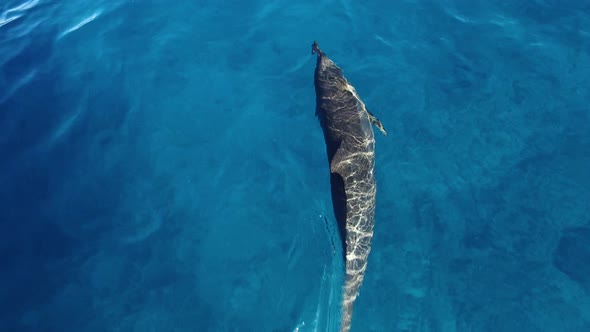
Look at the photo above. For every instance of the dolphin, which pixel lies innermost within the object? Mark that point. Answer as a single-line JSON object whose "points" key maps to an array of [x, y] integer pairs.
{"points": [[350, 144]]}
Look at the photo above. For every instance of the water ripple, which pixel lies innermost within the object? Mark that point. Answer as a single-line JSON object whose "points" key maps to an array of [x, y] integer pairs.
{"points": [[22, 81]]}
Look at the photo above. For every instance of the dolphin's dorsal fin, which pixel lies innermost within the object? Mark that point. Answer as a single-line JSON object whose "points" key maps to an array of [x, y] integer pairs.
{"points": [[377, 123]]}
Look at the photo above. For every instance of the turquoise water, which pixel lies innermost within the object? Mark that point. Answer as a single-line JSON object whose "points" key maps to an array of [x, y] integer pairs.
{"points": [[161, 167]]}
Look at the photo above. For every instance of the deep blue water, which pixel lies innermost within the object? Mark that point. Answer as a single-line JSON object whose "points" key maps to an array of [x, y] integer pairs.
{"points": [[161, 167]]}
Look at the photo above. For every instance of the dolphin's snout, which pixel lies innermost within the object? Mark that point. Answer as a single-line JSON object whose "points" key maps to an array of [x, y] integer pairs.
{"points": [[315, 48]]}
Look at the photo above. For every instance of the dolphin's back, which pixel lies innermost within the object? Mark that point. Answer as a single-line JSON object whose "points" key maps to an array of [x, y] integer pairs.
{"points": [[350, 145]]}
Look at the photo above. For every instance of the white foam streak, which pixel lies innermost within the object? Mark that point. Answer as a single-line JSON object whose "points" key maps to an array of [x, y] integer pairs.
{"points": [[81, 24], [65, 127], [16, 12], [4, 20], [385, 41], [25, 6]]}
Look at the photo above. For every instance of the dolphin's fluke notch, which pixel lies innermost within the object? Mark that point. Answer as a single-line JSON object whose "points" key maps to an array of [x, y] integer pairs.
{"points": [[350, 145]]}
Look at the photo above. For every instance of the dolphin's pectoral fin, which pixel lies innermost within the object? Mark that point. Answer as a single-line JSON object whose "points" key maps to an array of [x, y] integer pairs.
{"points": [[377, 123], [337, 164]]}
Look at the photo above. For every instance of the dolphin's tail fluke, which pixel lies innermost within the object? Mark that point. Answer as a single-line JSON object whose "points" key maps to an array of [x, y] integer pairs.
{"points": [[346, 317], [350, 291]]}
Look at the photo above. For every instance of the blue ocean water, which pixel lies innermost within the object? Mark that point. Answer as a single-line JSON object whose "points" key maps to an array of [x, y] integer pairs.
{"points": [[161, 167]]}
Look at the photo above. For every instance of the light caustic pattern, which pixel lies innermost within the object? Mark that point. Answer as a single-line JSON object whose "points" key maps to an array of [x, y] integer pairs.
{"points": [[360, 193], [360, 200]]}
